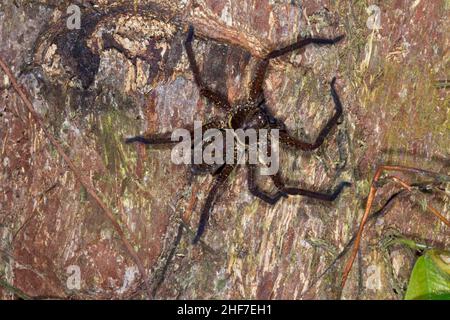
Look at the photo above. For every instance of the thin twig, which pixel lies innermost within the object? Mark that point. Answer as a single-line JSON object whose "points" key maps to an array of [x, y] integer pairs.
{"points": [[374, 216], [432, 209], [372, 193]]}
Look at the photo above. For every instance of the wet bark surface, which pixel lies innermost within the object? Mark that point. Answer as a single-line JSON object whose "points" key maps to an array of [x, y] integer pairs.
{"points": [[125, 72]]}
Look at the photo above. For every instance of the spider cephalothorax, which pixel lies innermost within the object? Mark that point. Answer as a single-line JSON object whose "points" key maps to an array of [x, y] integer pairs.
{"points": [[253, 114]]}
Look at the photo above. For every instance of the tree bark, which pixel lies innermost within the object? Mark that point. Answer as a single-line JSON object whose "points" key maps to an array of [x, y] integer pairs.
{"points": [[125, 72]]}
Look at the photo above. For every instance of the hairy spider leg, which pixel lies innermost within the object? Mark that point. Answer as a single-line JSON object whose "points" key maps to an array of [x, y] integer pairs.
{"points": [[284, 191], [277, 180], [257, 191], [301, 43], [220, 180], [154, 139], [166, 138], [288, 140], [217, 98], [256, 87]]}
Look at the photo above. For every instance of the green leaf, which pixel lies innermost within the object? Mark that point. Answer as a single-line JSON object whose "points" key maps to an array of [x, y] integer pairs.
{"points": [[430, 278]]}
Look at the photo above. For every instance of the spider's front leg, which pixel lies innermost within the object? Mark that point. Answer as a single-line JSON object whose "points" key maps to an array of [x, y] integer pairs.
{"points": [[219, 182], [219, 100], [257, 192], [256, 87], [288, 140]]}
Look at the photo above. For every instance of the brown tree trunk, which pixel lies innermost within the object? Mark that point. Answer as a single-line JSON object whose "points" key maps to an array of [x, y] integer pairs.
{"points": [[125, 72]]}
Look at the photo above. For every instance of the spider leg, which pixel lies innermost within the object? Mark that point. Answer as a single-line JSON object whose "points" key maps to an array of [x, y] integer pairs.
{"points": [[220, 180], [256, 87], [155, 139], [308, 193], [257, 192], [288, 140], [278, 181], [301, 43], [219, 100], [165, 138], [202, 168]]}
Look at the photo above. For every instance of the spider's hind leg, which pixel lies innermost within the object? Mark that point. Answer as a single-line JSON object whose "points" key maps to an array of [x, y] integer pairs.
{"points": [[318, 195], [257, 192], [217, 98], [308, 193]]}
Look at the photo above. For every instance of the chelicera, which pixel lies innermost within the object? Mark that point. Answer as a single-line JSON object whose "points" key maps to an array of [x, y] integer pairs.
{"points": [[255, 115]]}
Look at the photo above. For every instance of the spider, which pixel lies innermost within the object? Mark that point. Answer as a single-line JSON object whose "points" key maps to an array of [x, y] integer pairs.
{"points": [[252, 114]]}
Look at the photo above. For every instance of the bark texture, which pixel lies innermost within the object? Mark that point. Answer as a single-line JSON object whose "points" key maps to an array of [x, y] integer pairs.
{"points": [[125, 72]]}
